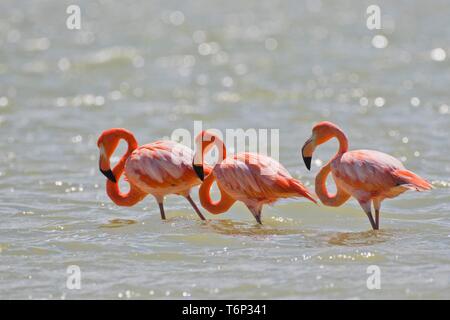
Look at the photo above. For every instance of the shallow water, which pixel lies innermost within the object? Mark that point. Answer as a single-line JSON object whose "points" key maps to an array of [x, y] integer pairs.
{"points": [[154, 66]]}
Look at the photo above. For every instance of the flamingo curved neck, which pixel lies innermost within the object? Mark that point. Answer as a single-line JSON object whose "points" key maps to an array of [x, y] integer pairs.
{"points": [[214, 207], [343, 142], [225, 202], [221, 148], [340, 197], [134, 195]]}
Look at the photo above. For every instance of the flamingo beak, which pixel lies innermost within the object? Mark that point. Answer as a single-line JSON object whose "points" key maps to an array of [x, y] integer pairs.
{"points": [[307, 161], [104, 164], [199, 171], [109, 174], [307, 151], [197, 164]]}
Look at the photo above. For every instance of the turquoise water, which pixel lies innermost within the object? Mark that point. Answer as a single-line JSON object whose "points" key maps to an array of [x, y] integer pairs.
{"points": [[155, 66]]}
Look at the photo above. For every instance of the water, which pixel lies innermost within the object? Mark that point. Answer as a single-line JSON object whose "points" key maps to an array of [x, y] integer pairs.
{"points": [[154, 66]]}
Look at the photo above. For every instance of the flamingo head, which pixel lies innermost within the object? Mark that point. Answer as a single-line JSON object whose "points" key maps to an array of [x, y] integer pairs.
{"points": [[321, 133], [204, 141], [107, 143]]}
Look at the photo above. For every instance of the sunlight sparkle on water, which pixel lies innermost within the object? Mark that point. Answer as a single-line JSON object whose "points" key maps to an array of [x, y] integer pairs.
{"points": [[379, 41], [415, 102], [438, 54], [379, 101]]}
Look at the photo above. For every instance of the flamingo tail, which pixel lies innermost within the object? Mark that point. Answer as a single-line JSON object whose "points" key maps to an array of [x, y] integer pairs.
{"points": [[299, 188], [411, 180]]}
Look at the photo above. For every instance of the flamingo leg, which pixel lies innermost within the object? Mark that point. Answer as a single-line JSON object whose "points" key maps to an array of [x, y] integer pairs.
{"points": [[256, 211], [161, 209], [377, 206], [366, 206], [188, 197], [377, 218], [372, 222]]}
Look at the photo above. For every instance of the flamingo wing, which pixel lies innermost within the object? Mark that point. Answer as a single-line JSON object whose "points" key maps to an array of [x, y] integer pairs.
{"points": [[162, 164], [373, 172], [257, 177]]}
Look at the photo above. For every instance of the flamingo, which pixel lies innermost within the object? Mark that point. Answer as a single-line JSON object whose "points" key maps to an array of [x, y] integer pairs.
{"points": [[251, 178], [367, 175], [159, 168]]}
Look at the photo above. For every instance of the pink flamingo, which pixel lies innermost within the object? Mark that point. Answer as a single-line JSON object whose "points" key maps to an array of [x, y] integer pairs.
{"points": [[159, 168], [369, 176], [251, 178]]}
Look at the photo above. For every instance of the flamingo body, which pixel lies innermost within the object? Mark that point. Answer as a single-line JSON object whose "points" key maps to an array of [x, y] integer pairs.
{"points": [[368, 175], [256, 180], [162, 168]]}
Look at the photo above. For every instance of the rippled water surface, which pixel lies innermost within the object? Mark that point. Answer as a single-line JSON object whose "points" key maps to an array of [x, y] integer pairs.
{"points": [[154, 66]]}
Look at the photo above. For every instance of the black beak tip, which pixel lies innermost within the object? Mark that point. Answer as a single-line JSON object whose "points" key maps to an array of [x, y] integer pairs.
{"points": [[109, 174], [199, 171], [307, 161]]}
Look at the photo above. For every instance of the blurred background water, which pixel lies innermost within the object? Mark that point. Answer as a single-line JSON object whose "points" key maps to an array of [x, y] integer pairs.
{"points": [[154, 66]]}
